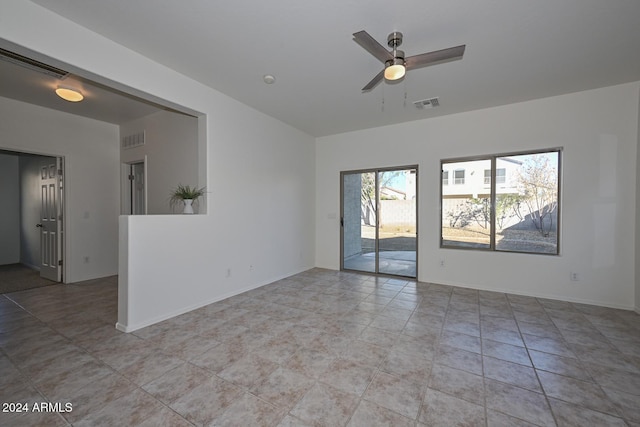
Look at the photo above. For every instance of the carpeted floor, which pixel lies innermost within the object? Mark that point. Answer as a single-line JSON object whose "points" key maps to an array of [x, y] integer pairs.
{"points": [[18, 277]]}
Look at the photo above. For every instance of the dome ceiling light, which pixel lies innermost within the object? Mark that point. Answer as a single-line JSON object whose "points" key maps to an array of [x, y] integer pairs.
{"points": [[68, 94]]}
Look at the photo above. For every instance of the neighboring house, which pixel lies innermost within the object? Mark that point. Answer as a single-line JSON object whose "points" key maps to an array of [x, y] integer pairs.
{"points": [[392, 193], [473, 179], [466, 193], [408, 183]]}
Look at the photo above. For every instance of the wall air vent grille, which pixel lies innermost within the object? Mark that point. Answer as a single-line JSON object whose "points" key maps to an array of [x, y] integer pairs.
{"points": [[132, 141], [32, 64], [427, 103]]}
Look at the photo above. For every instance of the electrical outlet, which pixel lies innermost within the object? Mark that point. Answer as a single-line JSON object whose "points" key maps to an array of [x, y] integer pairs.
{"points": [[575, 277], [228, 272], [442, 263], [86, 260]]}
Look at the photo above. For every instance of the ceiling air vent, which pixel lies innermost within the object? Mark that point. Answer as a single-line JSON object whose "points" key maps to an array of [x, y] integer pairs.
{"points": [[427, 103], [32, 64]]}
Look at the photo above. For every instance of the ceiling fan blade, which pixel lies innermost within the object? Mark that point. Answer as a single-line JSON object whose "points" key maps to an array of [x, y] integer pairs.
{"points": [[372, 46], [374, 82], [436, 56]]}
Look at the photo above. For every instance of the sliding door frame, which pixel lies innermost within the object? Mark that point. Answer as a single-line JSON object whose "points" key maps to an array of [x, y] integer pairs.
{"points": [[377, 202]]}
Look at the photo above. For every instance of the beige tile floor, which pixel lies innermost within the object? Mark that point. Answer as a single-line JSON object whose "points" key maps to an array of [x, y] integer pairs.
{"points": [[322, 348]]}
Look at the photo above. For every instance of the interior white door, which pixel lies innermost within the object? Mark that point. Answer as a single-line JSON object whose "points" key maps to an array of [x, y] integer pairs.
{"points": [[50, 220], [138, 202]]}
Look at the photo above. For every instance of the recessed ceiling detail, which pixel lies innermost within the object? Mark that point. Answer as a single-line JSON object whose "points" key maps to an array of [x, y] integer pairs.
{"points": [[36, 82]]}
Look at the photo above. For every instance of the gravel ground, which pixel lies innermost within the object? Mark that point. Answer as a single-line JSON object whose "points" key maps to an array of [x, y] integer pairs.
{"points": [[506, 240]]}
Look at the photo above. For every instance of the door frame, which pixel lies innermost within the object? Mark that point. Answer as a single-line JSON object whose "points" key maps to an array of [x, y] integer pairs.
{"points": [[64, 224], [125, 186], [377, 261]]}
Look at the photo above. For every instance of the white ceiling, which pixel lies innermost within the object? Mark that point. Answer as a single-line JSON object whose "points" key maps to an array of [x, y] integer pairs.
{"points": [[100, 103], [516, 50]]}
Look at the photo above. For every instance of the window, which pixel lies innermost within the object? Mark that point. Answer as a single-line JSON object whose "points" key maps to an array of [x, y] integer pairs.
{"points": [[501, 175], [519, 215], [465, 218], [445, 177]]}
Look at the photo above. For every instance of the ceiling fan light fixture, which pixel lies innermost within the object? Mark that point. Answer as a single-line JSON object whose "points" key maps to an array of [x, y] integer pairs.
{"points": [[395, 63], [395, 69], [68, 94]]}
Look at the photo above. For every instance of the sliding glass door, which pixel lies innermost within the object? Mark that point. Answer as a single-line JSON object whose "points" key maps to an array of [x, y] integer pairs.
{"points": [[379, 221]]}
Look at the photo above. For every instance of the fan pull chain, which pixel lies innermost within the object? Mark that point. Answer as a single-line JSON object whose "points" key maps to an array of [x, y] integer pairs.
{"points": [[405, 92], [382, 110]]}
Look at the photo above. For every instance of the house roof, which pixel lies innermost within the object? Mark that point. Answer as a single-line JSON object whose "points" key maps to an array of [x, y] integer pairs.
{"points": [[515, 51]]}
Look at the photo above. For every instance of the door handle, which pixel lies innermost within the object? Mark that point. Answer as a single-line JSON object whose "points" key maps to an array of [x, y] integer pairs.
{"points": [[38, 225]]}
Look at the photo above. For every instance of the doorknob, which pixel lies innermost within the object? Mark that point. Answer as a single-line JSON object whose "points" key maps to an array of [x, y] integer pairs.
{"points": [[38, 225]]}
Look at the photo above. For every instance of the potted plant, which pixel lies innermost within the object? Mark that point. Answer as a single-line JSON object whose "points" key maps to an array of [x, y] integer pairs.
{"points": [[185, 195]]}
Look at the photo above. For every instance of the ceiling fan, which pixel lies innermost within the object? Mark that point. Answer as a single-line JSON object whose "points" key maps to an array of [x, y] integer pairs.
{"points": [[395, 64]]}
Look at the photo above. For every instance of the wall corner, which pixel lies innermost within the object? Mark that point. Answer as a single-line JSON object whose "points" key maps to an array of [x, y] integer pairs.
{"points": [[123, 274]]}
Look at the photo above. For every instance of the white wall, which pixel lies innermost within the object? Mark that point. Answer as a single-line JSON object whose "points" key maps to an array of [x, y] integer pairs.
{"points": [[9, 209], [637, 300], [599, 132], [259, 228], [90, 149], [260, 178], [171, 151], [30, 210]]}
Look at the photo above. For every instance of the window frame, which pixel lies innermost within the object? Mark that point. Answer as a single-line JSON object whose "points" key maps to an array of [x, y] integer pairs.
{"points": [[487, 179], [455, 179], [493, 158], [502, 180]]}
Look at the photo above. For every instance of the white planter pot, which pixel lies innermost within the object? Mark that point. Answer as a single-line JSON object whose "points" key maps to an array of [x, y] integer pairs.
{"points": [[188, 209]]}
